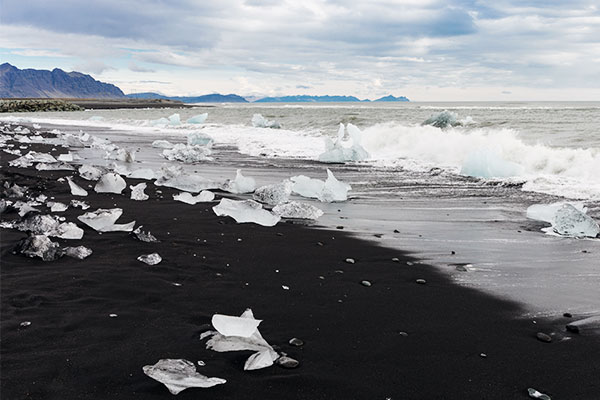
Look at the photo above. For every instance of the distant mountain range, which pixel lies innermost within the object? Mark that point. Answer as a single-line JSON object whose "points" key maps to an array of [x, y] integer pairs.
{"points": [[33, 83], [15, 83]]}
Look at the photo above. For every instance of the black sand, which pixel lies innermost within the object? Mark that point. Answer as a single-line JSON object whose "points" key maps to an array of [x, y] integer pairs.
{"points": [[353, 345]]}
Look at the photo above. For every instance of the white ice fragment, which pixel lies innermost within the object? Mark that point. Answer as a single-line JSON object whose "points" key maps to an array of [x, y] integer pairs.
{"points": [[144, 236], [295, 209], [68, 157], [258, 121], [68, 230], [25, 207], [246, 211], [81, 204], [487, 163], [334, 190], [79, 252], [32, 157], [336, 152], [175, 177], [56, 206], [197, 119], [162, 144], [178, 375], [199, 139], [91, 173], [137, 192], [96, 118], [56, 166], [121, 154], [38, 225], [150, 259], [259, 360], [274, 194], [187, 153], [37, 126], [143, 173], [110, 183], [103, 220], [534, 394], [228, 325], [567, 219], [76, 190], [241, 184], [39, 246], [188, 198]]}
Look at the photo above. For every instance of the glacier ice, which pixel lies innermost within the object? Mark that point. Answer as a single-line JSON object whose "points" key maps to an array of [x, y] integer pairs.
{"points": [[188, 198], [175, 119], [25, 207], [79, 252], [329, 191], [142, 173], [245, 211], [274, 194], [178, 375], [56, 166], [91, 172], [534, 394], [68, 230], [137, 192], [76, 190], [567, 219], [162, 144], [199, 139], [187, 154], [295, 209], [68, 157], [39, 246], [197, 119], [486, 163], [259, 360], [103, 220], [176, 178], [240, 184], [150, 259], [30, 158], [443, 120], [258, 121], [110, 183], [336, 152], [81, 204], [55, 206], [50, 226]]}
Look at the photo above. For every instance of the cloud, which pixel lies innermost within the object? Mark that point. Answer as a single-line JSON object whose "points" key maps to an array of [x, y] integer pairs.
{"points": [[137, 68], [93, 67]]}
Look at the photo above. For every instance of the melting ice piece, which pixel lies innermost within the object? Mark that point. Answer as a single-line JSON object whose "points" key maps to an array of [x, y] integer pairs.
{"points": [[274, 194], [197, 119], [76, 190], [150, 259], [534, 394], [199, 138], [188, 198], [258, 121], [81, 204], [32, 157], [68, 230], [110, 183], [175, 177], [246, 211], [91, 173], [486, 163], [175, 119], [38, 225], [39, 246], [103, 220], [56, 206], [295, 209], [333, 190], [259, 360], [590, 323], [187, 154], [241, 184], [121, 154], [568, 221], [144, 236], [162, 144], [25, 208], [228, 325], [79, 252], [443, 120], [143, 173], [137, 192], [178, 375], [56, 166], [336, 152]]}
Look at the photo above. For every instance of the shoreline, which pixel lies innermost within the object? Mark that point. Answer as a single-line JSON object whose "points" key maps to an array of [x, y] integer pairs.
{"points": [[353, 348], [94, 104]]}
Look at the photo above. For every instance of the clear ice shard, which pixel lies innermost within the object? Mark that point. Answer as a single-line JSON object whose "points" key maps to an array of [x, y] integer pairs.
{"points": [[175, 119], [56, 206], [259, 360], [567, 219], [296, 209], [76, 190], [137, 192], [199, 139], [32, 157], [162, 144], [81, 204], [178, 375], [336, 152], [240, 184], [228, 325], [246, 211], [39, 246], [188, 198], [197, 119], [68, 230], [534, 394], [175, 177], [103, 220], [258, 121], [274, 194], [49, 226], [187, 154], [79, 252], [91, 173], [110, 183], [329, 191], [150, 259]]}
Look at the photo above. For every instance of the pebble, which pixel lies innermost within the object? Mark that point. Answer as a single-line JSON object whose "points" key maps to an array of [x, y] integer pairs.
{"points": [[543, 337], [339, 227], [350, 260], [483, 355], [396, 231], [296, 342], [573, 328], [402, 333], [365, 283], [421, 281], [453, 252], [568, 315], [395, 259], [461, 268], [25, 324], [378, 235], [287, 362], [319, 244]]}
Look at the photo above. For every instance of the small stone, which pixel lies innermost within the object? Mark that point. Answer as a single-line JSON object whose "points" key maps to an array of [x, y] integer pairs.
{"points": [[396, 231], [365, 283], [113, 315], [483, 355], [395, 259], [453, 252], [378, 235], [543, 337], [319, 244], [296, 342], [421, 281], [339, 227], [462, 268], [287, 362], [350, 260], [25, 324], [572, 328], [402, 333], [568, 315]]}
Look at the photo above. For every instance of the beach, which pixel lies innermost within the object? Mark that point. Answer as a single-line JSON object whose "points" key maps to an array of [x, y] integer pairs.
{"points": [[394, 338]]}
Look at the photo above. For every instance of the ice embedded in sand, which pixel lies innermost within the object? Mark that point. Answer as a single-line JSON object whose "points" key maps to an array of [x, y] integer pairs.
{"points": [[296, 209], [329, 191], [566, 219], [487, 163], [274, 194], [336, 152], [56, 166], [144, 236], [110, 183], [188, 198], [240, 184], [103, 220], [91, 173], [76, 190], [142, 173], [178, 375], [137, 192], [197, 119], [246, 211], [176, 178], [150, 259], [187, 154], [79, 252], [258, 121]]}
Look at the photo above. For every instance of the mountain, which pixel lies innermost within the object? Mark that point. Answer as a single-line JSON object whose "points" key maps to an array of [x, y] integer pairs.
{"points": [[34, 83], [392, 98], [308, 99], [208, 98]]}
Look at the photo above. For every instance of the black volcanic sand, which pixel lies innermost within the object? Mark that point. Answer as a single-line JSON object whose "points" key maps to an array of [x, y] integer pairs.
{"points": [[353, 346]]}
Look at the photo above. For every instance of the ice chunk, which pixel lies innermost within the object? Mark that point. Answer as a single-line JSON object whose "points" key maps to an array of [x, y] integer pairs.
{"points": [[295, 209], [25, 207], [174, 119], [32, 157], [534, 394], [199, 138], [241, 184], [68, 230], [274, 194], [144, 236], [57, 166], [110, 183], [68, 157], [246, 211], [39, 225], [150, 259], [162, 144], [79, 252], [137, 192], [197, 119], [96, 118], [76, 190], [56, 206], [91, 173], [121, 154], [307, 187], [336, 152], [486, 163], [228, 325], [258, 121], [590, 323], [143, 173], [175, 177], [103, 220], [567, 219], [329, 191], [178, 375], [259, 360], [81, 204], [546, 212], [39, 246], [187, 198], [187, 154], [443, 120]]}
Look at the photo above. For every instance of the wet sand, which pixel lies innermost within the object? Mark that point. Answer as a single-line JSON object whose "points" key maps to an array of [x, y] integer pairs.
{"points": [[457, 344]]}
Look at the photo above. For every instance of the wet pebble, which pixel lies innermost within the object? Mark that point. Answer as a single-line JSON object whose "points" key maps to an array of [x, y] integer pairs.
{"points": [[395, 259], [339, 227], [543, 337], [25, 324], [453, 252], [365, 283], [568, 315], [396, 231], [572, 328], [350, 260], [421, 281], [402, 333], [296, 342], [287, 362]]}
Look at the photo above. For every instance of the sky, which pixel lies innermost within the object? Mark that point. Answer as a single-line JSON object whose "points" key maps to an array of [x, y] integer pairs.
{"points": [[427, 50]]}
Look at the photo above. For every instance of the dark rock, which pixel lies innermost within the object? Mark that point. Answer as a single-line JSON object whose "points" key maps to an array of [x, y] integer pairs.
{"points": [[339, 227], [543, 337], [296, 342], [572, 328], [287, 362], [568, 315], [396, 231], [453, 252]]}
